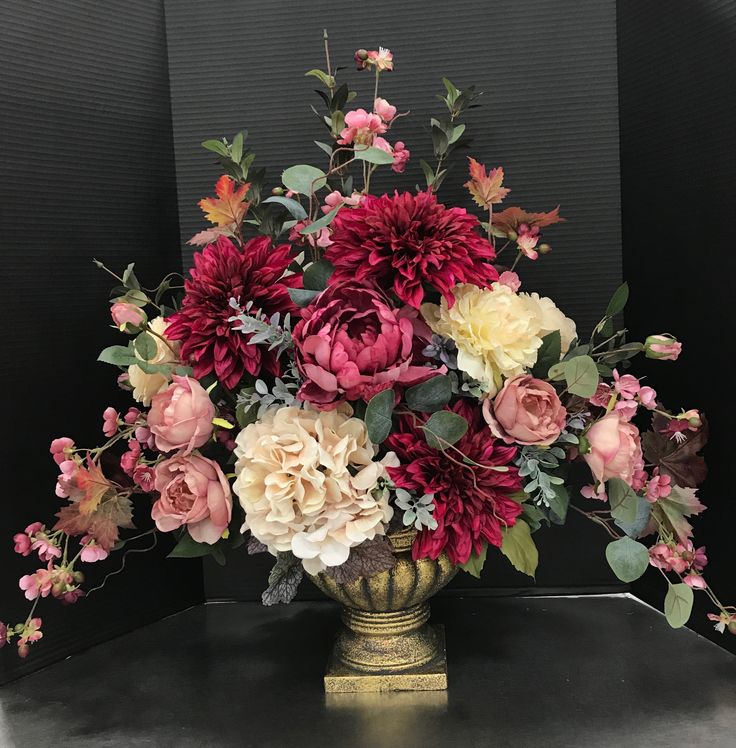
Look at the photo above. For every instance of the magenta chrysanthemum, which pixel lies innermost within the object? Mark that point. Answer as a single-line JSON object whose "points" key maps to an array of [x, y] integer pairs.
{"points": [[407, 240], [223, 271]]}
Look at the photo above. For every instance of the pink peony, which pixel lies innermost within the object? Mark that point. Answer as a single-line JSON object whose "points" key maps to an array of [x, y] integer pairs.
{"points": [[361, 127], [384, 110], [195, 493], [350, 344], [181, 416], [110, 422], [615, 449], [59, 449], [525, 411], [124, 314]]}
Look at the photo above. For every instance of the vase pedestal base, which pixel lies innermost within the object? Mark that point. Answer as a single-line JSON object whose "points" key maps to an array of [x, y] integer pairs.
{"points": [[430, 676]]}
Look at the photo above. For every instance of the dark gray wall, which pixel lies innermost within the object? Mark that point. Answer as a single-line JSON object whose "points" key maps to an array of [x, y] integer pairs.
{"points": [[549, 115], [678, 162], [87, 170]]}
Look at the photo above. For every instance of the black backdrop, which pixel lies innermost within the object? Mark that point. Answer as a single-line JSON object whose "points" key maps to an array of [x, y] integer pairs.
{"points": [[549, 115], [88, 169]]}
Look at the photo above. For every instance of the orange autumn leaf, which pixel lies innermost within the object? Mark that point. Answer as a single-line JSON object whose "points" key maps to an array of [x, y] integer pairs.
{"points": [[230, 205], [485, 189], [511, 218], [91, 486], [103, 524]]}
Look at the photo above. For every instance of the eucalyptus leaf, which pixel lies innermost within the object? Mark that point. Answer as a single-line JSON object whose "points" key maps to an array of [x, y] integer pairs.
{"points": [[373, 155], [431, 395], [559, 503], [444, 428], [581, 376], [295, 208], [678, 604], [321, 223], [317, 274], [639, 525], [304, 179], [118, 355], [627, 558], [623, 500], [378, 415], [145, 346], [303, 296]]}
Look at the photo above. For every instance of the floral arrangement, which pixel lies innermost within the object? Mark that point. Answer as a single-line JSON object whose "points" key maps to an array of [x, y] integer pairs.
{"points": [[339, 365]]}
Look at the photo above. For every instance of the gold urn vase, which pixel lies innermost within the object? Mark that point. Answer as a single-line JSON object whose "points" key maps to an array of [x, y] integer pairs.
{"points": [[386, 642]]}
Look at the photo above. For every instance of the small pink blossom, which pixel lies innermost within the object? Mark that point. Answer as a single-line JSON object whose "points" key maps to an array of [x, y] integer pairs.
{"points": [[626, 385], [110, 422], [383, 59], [144, 436], [401, 157], [527, 240], [144, 476], [31, 633], [22, 544], [361, 127], [60, 449], [66, 482], [695, 557], [511, 279], [640, 478], [336, 198], [319, 238], [626, 409], [647, 397], [124, 382], [46, 549], [131, 416], [591, 492], [723, 620], [658, 487], [602, 395], [129, 459], [92, 552], [37, 584], [384, 110], [695, 581]]}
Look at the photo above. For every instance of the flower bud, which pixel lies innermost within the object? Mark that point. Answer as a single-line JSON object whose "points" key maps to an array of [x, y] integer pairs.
{"points": [[128, 317], [664, 347], [361, 54], [512, 235], [277, 191], [543, 249], [732, 627]]}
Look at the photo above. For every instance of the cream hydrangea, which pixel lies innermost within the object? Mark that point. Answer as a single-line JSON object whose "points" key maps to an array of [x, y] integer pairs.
{"points": [[496, 330], [145, 385], [305, 479]]}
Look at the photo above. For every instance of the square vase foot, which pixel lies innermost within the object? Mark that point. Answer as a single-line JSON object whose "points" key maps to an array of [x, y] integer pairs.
{"points": [[432, 676]]}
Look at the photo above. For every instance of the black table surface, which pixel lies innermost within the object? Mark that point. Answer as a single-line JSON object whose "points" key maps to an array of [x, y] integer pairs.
{"points": [[562, 671]]}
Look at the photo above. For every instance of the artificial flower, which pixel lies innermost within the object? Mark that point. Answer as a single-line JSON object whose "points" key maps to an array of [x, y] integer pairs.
{"points": [[384, 110], [223, 271], [615, 449], [472, 502], [145, 385], [664, 347], [306, 480], [361, 127], [351, 344], [407, 240], [124, 314]]}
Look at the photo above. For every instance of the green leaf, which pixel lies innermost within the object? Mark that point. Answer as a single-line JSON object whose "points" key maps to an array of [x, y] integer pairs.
{"points": [[519, 548], [118, 355], [618, 300], [303, 296], [643, 513], [581, 376], [439, 141], [236, 148], [548, 354], [373, 155], [187, 547], [216, 146], [533, 516], [317, 274], [304, 179], [324, 146], [474, 565], [559, 504], [296, 210], [328, 80], [129, 279], [623, 500], [378, 415], [627, 558], [428, 171], [321, 223], [444, 428], [557, 372], [245, 414], [678, 604], [457, 131], [145, 346], [431, 395]]}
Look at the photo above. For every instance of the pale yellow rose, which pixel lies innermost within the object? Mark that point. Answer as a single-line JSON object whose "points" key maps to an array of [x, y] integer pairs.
{"points": [[497, 331], [144, 385], [305, 479]]}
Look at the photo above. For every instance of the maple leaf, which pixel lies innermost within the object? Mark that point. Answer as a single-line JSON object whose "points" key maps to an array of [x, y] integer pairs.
{"points": [[679, 460], [91, 486], [103, 524], [485, 189], [229, 206], [283, 580], [511, 218], [209, 236], [681, 503], [365, 560]]}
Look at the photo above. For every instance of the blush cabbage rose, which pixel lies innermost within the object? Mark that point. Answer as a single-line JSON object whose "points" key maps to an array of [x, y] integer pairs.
{"points": [[615, 449], [351, 344], [305, 479]]}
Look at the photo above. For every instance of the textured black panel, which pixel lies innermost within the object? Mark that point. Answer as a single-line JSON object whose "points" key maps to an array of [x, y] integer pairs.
{"points": [[549, 115], [87, 170], [678, 136]]}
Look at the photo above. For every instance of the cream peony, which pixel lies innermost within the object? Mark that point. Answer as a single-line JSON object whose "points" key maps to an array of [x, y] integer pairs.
{"points": [[305, 480], [497, 331], [144, 385]]}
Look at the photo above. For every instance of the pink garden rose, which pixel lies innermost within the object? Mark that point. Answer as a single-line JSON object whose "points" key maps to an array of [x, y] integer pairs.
{"points": [[664, 347], [615, 449], [181, 416], [350, 344], [525, 411], [124, 314], [195, 493]]}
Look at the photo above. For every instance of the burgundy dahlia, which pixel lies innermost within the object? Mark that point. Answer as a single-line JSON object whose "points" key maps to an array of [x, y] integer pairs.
{"points": [[223, 271], [472, 504], [350, 344], [407, 240]]}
